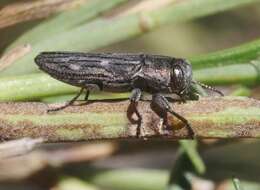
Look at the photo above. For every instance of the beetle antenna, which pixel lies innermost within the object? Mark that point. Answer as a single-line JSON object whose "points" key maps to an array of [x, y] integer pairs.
{"points": [[208, 87]]}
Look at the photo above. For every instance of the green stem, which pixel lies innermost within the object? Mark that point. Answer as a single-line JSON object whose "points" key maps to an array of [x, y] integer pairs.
{"points": [[209, 118], [42, 86], [68, 183], [241, 91], [236, 183], [106, 31], [242, 54], [32, 87], [247, 74], [190, 148], [130, 179]]}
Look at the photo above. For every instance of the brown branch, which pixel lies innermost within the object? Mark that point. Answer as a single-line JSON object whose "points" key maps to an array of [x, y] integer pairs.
{"points": [[228, 117], [23, 11], [13, 55]]}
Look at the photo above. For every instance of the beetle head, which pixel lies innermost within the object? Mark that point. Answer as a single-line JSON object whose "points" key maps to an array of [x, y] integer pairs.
{"points": [[181, 77]]}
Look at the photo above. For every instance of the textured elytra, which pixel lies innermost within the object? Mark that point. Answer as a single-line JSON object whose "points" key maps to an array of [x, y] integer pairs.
{"points": [[118, 72]]}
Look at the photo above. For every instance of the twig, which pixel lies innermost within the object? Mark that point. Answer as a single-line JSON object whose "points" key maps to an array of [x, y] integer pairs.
{"points": [[228, 117], [11, 56], [23, 11], [69, 19]]}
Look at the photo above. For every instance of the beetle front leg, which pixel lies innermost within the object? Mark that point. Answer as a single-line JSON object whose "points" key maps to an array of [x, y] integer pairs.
{"points": [[134, 99], [162, 103]]}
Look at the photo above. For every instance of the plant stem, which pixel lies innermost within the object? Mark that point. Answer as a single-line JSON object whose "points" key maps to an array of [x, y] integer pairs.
{"points": [[190, 148], [236, 183], [227, 117], [68, 183], [32, 87], [15, 13], [130, 179], [247, 74], [242, 54]]}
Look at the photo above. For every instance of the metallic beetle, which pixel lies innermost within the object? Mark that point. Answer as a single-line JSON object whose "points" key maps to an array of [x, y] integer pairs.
{"points": [[121, 72]]}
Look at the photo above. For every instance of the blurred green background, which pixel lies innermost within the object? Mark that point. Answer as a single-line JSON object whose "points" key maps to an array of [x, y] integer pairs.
{"points": [[204, 35], [159, 164]]}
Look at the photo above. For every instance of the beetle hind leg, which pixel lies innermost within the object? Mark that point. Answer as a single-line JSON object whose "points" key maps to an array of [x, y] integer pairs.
{"points": [[161, 103], [88, 88], [86, 101], [68, 103]]}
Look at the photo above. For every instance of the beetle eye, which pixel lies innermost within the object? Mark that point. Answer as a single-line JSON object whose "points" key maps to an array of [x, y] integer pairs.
{"points": [[177, 75], [177, 72]]}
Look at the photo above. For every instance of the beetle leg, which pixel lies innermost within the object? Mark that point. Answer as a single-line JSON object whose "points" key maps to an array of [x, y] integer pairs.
{"points": [[68, 103], [86, 95], [162, 103], [89, 87], [134, 98], [85, 98], [136, 95]]}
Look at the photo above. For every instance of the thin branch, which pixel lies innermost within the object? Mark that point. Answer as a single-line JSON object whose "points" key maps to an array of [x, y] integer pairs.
{"points": [[13, 55], [228, 117], [23, 11], [69, 19]]}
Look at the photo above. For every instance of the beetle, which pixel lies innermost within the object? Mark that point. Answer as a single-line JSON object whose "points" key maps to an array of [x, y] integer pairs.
{"points": [[123, 72]]}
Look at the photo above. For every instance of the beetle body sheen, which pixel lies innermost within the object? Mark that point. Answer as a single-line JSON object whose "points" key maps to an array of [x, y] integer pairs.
{"points": [[118, 72]]}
